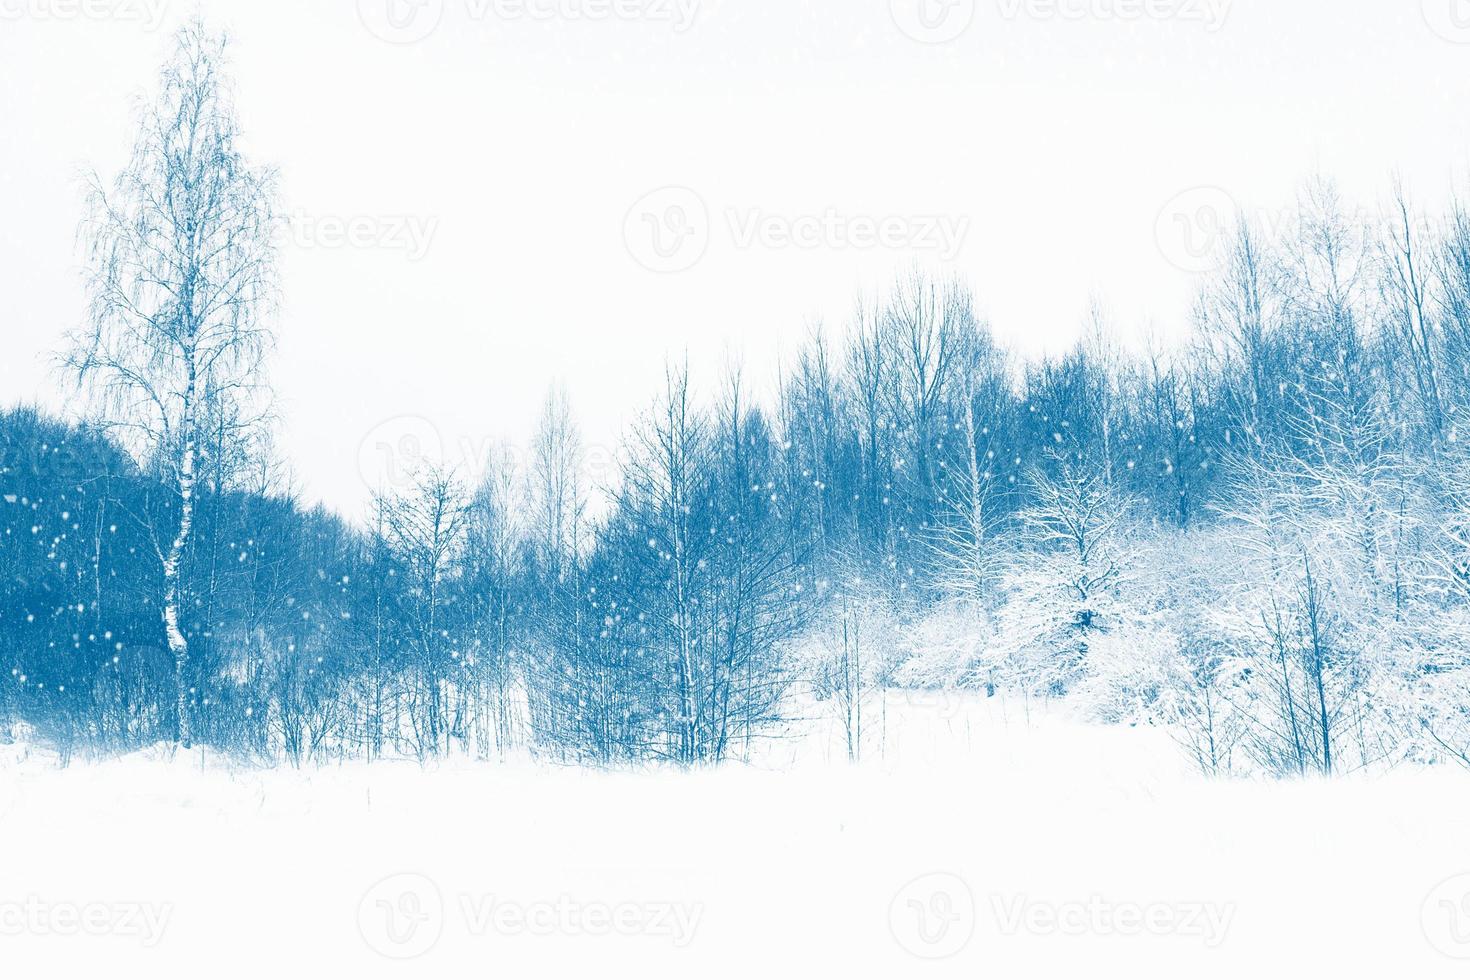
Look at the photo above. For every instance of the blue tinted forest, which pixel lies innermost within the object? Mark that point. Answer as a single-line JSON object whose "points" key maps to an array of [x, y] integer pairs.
{"points": [[1256, 536]]}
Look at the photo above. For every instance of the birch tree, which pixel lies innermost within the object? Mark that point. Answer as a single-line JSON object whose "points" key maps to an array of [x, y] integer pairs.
{"points": [[965, 555], [182, 276]]}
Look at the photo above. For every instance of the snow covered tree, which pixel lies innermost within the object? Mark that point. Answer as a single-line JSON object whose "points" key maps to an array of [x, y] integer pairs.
{"points": [[1062, 591], [965, 551], [182, 278]]}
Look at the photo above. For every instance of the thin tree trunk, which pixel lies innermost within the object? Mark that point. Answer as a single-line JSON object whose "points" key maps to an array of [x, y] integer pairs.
{"points": [[178, 645]]}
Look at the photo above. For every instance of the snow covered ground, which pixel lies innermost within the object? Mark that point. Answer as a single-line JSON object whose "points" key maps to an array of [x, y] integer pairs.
{"points": [[978, 843]]}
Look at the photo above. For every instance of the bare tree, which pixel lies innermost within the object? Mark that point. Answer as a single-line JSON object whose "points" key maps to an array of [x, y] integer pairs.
{"points": [[965, 554], [926, 323], [1452, 269], [182, 276], [493, 568], [662, 483], [868, 375], [558, 498], [1405, 286], [426, 530]]}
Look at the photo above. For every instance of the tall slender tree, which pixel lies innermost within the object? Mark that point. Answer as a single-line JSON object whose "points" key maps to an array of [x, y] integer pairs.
{"points": [[182, 277]]}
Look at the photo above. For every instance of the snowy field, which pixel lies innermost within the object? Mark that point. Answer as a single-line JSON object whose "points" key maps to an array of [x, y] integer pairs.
{"points": [[977, 843]]}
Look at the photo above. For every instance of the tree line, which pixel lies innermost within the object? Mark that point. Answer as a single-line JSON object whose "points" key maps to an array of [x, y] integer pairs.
{"points": [[1257, 539]]}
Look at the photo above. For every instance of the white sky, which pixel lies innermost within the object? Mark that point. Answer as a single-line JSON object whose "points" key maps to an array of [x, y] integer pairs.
{"points": [[1060, 133]]}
